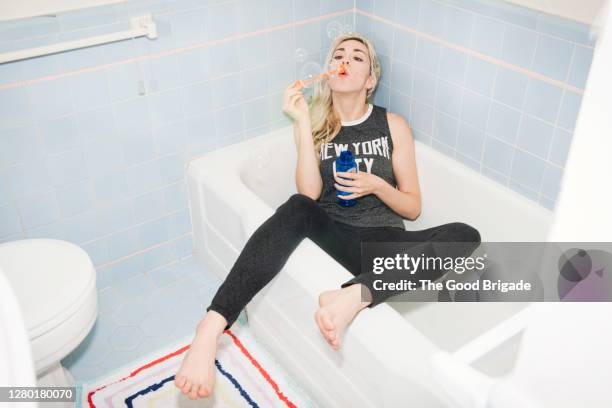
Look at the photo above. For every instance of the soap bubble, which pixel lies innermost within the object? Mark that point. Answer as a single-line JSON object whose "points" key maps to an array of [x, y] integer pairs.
{"points": [[334, 29], [262, 158], [348, 29], [300, 55], [308, 71]]}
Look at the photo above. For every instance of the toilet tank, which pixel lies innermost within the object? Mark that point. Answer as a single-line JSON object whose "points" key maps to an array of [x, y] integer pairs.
{"points": [[48, 277]]}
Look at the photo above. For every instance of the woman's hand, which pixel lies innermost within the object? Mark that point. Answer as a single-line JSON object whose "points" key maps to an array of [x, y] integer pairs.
{"points": [[361, 184], [294, 103]]}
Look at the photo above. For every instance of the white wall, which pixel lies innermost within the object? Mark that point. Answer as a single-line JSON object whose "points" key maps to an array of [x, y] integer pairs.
{"points": [[12, 9], [584, 207], [584, 11]]}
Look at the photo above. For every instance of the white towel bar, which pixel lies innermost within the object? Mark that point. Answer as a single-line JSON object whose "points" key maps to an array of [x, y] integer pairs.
{"points": [[139, 26]]}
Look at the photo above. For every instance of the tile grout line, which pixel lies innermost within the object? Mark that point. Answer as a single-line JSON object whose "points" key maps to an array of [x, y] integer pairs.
{"points": [[143, 251], [461, 102], [160, 54], [554, 135], [540, 13], [490, 109], [479, 55], [516, 140]]}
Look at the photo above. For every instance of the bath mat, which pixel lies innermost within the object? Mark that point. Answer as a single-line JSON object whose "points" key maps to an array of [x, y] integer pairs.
{"points": [[246, 376]]}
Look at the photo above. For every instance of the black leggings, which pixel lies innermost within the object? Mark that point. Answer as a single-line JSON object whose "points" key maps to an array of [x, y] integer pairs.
{"points": [[269, 247]]}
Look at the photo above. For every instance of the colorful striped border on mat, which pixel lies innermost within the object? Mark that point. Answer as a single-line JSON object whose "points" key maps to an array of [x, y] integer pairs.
{"points": [[223, 390]]}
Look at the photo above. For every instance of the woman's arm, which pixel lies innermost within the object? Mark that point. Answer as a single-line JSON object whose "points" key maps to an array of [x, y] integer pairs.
{"points": [[307, 175], [406, 199]]}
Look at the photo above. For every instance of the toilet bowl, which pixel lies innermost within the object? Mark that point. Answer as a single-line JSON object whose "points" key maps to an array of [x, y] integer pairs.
{"points": [[54, 282]]}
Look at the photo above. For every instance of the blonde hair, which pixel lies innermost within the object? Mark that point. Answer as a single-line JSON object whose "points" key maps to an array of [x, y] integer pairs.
{"points": [[325, 123]]}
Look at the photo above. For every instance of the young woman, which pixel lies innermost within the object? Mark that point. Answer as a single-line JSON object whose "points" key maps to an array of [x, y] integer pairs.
{"points": [[386, 187]]}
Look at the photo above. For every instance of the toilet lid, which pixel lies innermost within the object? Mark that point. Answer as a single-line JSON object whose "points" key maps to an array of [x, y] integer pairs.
{"points": [[17, 368], [48, 276]]}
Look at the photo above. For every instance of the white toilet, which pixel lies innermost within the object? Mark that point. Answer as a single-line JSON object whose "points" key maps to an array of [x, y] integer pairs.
{"points": [[54, 282]]}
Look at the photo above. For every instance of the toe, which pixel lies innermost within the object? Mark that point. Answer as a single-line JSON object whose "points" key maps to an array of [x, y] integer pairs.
{"points": [[186, 387], [179, 381], [327, 322], [331, 334], [328, 338], [328, 327], [204, 391], [194, 392], [319, 320], [324, 333]]}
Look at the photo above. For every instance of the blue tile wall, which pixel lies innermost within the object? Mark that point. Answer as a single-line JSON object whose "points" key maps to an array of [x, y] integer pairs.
{"points": [[494, 85], [93, 141]]}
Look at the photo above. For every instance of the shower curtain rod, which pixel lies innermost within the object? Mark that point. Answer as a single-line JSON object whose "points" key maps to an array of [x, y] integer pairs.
{"points": [[139, 26]]}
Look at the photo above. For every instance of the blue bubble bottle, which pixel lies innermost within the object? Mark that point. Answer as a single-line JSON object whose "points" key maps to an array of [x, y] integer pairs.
{"points": [[345, 163]]}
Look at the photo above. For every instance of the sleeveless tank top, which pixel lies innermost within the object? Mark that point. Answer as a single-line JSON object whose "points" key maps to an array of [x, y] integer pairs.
{"points": [[369, 139]]}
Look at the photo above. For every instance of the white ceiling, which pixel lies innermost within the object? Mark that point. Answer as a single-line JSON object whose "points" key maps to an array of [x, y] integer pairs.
{"points": [[10, 9]]}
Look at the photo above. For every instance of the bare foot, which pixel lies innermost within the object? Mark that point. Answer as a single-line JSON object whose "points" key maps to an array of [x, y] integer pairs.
{"points": [[337, 309], [196, 377], [325, 298]]}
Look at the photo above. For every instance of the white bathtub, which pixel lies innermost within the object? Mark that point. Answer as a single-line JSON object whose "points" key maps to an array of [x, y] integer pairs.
{"points": [[385, 357]]}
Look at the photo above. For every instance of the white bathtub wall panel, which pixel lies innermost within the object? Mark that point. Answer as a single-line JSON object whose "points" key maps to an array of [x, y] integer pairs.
{"points": [[223, 217], [219, 224], [451, 325], [224, 252], [270, 170], [282, 316], [451, 191], [499, 213], [197, 212], [283, 338], [210, 262], [213, 249], [285, 308], [334, 383], [502, 360], [227, 167]]}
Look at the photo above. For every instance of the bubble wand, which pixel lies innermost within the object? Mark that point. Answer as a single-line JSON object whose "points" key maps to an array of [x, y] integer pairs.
{"points": [[303, 82]]}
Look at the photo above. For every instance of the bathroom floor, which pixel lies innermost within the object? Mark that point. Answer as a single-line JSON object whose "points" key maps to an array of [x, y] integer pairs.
{"points": [[132, 326], [166, 307]]}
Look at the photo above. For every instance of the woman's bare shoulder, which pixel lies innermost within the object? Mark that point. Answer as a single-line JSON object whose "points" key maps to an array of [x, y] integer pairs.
{"points": [[399, 127]]}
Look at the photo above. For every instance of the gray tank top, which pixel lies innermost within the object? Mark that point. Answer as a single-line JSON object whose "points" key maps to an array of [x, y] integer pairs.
{"points": [[369, 139]]}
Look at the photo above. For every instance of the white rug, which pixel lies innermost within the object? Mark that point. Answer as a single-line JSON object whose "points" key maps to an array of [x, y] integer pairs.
{"points": [[247, 376]]}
